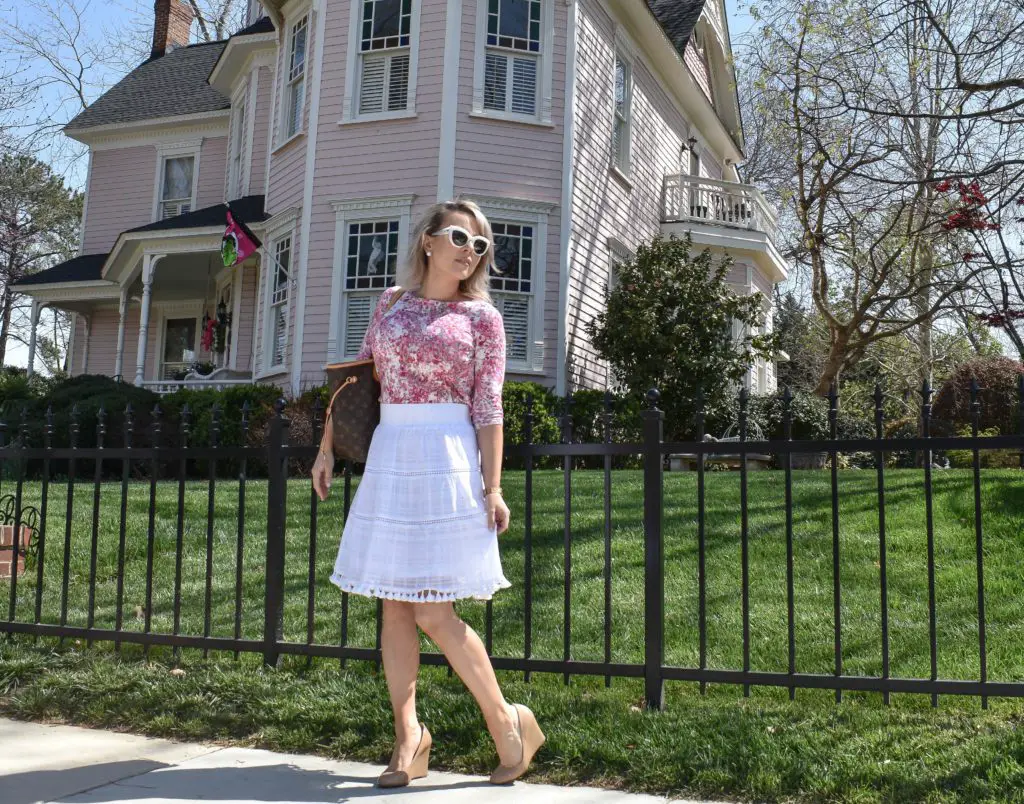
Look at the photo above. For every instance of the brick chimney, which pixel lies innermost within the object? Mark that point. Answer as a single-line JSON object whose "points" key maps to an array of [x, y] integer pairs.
{"points": [[171, 26]]}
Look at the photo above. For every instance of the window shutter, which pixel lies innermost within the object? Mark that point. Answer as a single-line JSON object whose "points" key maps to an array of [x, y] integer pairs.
{"points": [[516, 314], [358, 311], [398, 83], [385, 84], [524, 86], [495, 76], [280, 333], [371, 91], [295, 113]]}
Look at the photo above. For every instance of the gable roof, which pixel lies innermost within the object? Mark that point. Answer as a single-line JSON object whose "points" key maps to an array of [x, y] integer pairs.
{"points": [[173, 84], [677, 18], [261, 26], [83, 268]]}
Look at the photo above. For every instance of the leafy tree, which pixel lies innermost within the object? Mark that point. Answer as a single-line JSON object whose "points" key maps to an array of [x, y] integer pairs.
{"points": [[39, 222], [669, 324]]}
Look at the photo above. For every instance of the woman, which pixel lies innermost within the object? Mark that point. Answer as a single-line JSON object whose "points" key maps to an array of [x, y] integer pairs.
{"points": [[423, 528]]}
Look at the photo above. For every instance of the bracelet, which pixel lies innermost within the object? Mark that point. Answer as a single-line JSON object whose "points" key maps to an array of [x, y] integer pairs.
{"points": [[492, 490]]}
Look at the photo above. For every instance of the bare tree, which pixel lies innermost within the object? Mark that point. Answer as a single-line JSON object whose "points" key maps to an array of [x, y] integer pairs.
{"points": [[66, 61], [924, 93]]}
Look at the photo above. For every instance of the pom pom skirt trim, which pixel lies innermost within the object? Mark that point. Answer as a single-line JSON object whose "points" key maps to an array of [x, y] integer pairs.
{"points": [[417, 527]]}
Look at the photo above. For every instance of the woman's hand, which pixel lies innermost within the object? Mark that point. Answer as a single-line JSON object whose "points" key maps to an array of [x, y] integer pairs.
{"points": [[497, 512], [323, 471]]}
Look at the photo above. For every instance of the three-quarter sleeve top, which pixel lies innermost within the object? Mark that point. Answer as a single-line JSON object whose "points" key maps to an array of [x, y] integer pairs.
{"points": [[428, 350]]}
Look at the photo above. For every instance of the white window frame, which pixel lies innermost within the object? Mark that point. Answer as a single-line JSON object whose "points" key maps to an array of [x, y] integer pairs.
{"points": [[175, 150], [535, 214], [353, 72], [239, 143], [621, 160], [544, 59], [398, 208], [282, 225], [271, 365], [618, 252], [167, 311], [302, 16]]}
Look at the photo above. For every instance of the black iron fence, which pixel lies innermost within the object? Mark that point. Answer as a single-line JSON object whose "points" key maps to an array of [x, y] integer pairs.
{"points": [[32, 520]]}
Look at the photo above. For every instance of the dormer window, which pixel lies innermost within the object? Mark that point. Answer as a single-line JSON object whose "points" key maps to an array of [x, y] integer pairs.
{"points": [[178, 186]]}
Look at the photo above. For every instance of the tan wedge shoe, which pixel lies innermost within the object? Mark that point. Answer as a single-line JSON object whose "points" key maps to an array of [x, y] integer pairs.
{"points": [[416, 769], [532, 738]]}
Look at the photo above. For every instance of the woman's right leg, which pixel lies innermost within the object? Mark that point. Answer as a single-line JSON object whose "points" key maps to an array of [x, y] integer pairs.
{"points": [[400, 652]]}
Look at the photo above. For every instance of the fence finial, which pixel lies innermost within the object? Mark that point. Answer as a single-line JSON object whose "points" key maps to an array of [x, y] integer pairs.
{"points": [[101, 426], [653, 395]]}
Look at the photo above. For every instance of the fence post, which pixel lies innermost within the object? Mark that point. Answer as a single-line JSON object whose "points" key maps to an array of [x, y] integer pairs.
{"points": [[277, 498], [654, 557]]}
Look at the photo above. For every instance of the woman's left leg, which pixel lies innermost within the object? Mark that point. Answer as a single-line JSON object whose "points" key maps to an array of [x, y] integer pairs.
{"points": [[466, 654]]}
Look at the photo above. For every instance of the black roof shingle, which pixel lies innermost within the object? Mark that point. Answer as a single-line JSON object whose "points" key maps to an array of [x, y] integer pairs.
{"points": [[261, 26], [173, 84], [248, 209], [83, 268], [677, 18]]}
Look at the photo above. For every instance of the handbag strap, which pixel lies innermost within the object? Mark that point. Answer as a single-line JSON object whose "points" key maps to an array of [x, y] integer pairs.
{"points": [[351, 379]]}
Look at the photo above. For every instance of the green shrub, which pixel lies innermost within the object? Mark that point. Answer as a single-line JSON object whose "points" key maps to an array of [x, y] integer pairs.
{"points": [[998, 397], [987, 458]]}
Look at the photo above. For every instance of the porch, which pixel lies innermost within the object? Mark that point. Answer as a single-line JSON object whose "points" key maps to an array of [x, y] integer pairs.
{"points": [[160, 310]]}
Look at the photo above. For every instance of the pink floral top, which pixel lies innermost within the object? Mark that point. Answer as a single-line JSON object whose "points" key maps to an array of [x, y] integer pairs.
{"points": [[428, 350]]}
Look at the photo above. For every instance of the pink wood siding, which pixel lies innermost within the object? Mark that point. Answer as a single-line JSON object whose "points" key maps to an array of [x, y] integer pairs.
{"points": [[120, 195], [513, 160], [103, 342], [288, 163], [699, 68], [261, 128], [247, 320], [361, 160], [213, 161], [604, 206]]}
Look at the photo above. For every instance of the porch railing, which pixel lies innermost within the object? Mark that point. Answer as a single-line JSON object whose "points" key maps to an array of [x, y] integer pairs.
{"points": [[170, 386], [693, 198]]}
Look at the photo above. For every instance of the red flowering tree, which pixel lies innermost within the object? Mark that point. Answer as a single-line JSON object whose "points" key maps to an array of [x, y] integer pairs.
{"points": [[905, 146], [989, 233]]}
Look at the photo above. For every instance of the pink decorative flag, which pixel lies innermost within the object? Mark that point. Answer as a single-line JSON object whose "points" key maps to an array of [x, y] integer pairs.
{"points": [[238, 243]]}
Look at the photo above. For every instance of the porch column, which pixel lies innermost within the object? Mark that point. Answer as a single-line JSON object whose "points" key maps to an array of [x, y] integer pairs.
{"points": [[148, 266], [37, 308], [123, 311], [88, 337]]}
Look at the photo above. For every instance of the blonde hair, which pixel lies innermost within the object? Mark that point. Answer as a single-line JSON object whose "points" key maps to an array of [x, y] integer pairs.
{"points": [[412, 274]]}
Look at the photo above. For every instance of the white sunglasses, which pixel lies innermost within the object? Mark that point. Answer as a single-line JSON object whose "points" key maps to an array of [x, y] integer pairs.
{"points": [[459, 237]]}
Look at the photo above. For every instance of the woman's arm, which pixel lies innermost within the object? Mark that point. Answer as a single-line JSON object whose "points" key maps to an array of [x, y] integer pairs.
{"points": [[487, 412]]}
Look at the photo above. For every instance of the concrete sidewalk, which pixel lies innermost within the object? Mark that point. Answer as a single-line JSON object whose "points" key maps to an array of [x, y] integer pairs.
{"points": [[43, 763]]}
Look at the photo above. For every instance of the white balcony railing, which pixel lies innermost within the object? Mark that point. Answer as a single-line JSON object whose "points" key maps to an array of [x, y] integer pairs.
{"points": [[724, 203]]}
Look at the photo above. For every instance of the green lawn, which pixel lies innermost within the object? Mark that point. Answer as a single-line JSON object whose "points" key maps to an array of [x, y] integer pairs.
{"points": [[765, 747]]}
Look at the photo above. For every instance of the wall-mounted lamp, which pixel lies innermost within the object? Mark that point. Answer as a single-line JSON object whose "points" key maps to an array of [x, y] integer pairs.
{"points": [[692, 142]]}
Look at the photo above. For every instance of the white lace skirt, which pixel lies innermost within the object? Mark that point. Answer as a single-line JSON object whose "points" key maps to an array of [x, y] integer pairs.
{"points": [[417, 528]]}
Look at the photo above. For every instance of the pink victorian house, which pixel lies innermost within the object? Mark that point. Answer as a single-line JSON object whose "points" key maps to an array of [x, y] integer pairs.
{"points": [[581, 127]]}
